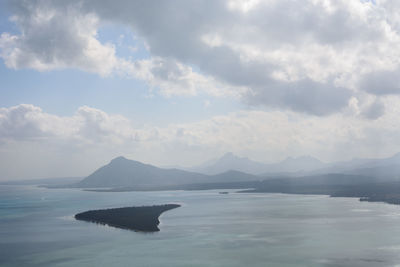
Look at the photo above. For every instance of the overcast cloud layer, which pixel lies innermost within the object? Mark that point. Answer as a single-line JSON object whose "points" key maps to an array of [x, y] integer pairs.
{"points": [[320, 77]]}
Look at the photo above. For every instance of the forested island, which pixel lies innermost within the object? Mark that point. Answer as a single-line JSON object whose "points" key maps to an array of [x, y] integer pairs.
{"points": [[142, 219]]}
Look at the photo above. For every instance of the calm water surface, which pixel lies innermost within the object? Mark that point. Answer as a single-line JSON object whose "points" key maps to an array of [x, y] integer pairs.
{"points": [[210, 229]]}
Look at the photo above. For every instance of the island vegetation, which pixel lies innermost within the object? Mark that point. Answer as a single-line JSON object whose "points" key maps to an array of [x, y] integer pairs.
{"points": [[142, 219]]}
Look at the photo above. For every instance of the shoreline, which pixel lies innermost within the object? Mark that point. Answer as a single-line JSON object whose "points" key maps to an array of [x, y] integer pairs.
{"points": [[371, 199]]}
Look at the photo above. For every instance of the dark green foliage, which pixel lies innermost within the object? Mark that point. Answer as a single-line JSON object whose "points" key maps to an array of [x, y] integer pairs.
{"points": [[143, 219]]}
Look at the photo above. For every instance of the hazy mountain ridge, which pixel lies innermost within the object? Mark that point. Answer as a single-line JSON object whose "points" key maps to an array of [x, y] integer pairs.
{"points": [[229, 161], [122, 172], [385, 168], [381, 182]]}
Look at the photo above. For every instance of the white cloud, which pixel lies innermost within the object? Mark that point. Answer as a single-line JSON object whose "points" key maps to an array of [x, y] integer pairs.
{"points": [[28, 122], [270, 46], [55, 38], [270, 53], [61, 36], [88, 126], [33, 138], [338, 60], [175, 78]]}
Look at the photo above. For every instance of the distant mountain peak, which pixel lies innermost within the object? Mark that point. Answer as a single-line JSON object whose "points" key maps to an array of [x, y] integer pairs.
{"points": [[230, 158], [227, 162], [304, 158], [395, 156], [122, 172], [120, 158], [229, 155]]}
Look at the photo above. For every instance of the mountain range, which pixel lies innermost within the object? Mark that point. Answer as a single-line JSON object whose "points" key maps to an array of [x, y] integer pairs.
{"points": [[229, 161], [122, 172], [385, 168]]}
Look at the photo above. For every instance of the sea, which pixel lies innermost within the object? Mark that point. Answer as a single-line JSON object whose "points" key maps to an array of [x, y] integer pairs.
{"points": [[37, 228]]}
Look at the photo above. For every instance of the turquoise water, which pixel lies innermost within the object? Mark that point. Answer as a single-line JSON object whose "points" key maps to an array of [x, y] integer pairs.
{"points": [[210, 229]]}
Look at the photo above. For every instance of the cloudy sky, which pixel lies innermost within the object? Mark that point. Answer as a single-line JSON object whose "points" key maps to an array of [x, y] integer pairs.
{"points": [[181, 82]]}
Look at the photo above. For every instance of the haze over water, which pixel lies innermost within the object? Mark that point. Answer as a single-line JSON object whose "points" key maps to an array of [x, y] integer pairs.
{"points": [[210, 229]]}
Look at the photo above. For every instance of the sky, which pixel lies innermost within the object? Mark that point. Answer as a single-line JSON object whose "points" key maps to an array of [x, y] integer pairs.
{"points": [[177, 83]]}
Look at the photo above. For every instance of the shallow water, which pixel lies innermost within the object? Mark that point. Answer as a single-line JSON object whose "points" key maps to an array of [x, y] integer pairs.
{"points": [[210, 229]]}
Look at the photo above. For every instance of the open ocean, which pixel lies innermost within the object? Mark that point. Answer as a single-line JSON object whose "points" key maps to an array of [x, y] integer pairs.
{"points": [[37, 228]]}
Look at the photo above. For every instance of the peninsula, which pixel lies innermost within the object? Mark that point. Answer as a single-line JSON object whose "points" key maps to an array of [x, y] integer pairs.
{"points": [[140, 219]]}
